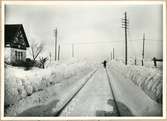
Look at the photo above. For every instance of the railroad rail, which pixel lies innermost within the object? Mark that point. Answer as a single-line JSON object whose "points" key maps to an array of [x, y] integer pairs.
{"points": [[102, 87], [112, 92], [73, 96], [77, 92]]}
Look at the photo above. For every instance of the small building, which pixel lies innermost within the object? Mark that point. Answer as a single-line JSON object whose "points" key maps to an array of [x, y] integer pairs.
{"points": [[16, 43]]}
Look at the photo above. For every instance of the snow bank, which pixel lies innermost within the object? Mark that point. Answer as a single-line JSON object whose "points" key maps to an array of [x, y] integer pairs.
{"points": [[147, 62], [57, 95], [148, 79], [20, 83]]}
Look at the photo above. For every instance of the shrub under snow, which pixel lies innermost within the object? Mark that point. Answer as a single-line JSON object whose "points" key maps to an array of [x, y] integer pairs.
{"points": [[20, 83], [148, 79]]}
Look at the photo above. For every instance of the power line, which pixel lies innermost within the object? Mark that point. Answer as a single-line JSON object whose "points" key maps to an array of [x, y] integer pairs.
{"points": [[152, 40], [108, 42], [97, 42]]}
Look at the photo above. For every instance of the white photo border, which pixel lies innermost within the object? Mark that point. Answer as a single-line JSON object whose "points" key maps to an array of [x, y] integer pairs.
{"points": [[3, 3]]}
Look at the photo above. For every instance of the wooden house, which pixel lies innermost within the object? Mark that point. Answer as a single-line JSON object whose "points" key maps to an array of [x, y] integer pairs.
{"points": [[16, 43]]}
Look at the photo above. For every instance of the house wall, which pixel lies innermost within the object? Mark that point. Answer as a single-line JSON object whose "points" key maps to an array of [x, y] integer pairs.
{"points": [[10, 54], [7, 54], [13, 57]]}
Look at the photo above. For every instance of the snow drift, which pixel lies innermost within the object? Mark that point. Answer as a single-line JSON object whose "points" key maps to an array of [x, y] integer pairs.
{"points": [[20, 83], [148, 79]]}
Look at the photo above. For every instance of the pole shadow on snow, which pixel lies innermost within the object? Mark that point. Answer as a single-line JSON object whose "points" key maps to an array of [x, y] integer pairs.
{"points": [[123, 110], [40, 110]]}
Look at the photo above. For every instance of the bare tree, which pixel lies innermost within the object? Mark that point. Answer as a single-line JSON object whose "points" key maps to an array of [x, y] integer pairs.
{"points": [[43, 61], [36, 49]]}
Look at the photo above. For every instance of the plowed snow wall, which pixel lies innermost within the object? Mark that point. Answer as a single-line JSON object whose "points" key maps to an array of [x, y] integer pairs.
{"points": [[148, 79], [20, 83]]}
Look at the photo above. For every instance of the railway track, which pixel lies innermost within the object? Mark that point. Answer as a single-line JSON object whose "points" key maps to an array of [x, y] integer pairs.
{"points": [[111, 88], [100, 93], [73, 96], [82, 88]]}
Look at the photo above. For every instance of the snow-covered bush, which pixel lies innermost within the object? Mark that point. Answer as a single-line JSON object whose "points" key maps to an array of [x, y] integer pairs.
{"points": [[20, 83], [148, 79]]}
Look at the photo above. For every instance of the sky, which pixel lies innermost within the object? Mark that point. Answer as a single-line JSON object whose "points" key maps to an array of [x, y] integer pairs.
{"points": [[94, 30]]}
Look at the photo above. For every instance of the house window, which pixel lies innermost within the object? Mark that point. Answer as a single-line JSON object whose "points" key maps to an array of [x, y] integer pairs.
{"points": [[16, 55], [19, 55]]}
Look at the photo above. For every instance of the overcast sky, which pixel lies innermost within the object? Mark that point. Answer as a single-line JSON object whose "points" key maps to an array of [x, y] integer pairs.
{"points": [[99, 27]]}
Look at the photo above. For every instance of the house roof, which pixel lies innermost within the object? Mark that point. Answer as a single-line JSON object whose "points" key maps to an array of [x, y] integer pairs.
{"points": [[11, 30]]}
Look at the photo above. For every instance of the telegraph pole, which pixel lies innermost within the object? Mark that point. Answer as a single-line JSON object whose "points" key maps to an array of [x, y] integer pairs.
{"points": [[59, 52], [143, 49], [55, 44], [125, 26], [113, 54], [72, 50], [50, 56], [135, 61]]}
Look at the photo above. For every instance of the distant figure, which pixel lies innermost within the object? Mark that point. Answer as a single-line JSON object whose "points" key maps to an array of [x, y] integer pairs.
{"points": [[104, 63], [154, 60]]}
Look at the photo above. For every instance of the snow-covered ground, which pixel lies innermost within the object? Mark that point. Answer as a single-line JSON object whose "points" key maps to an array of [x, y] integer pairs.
{"points": [[132, 97], [148, 79], [43, 92], [24, 89]]}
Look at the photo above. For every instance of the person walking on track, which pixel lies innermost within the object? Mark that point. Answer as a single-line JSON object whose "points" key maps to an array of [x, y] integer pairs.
{"points": [[104, 63]]}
